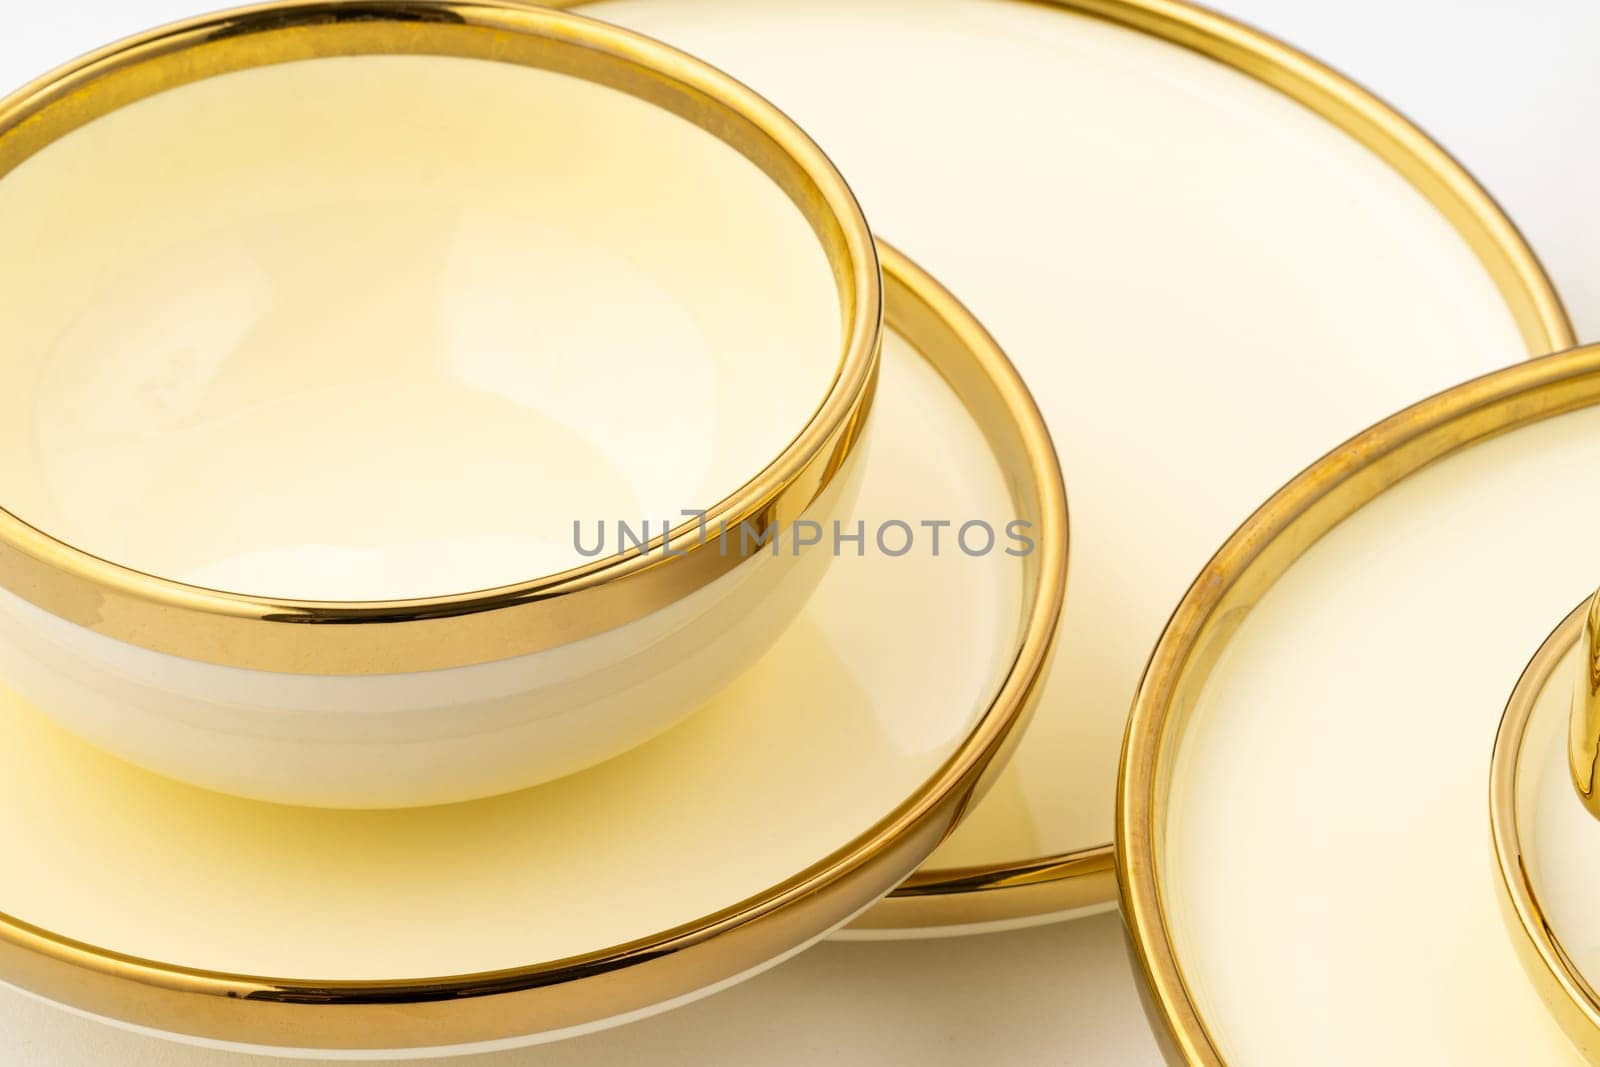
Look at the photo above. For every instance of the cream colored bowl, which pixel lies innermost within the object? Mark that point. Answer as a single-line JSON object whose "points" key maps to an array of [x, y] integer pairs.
{"points": [[800, 794], [407, 402]]}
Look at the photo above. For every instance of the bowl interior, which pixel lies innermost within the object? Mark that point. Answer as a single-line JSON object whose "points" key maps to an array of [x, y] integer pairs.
{"points": [[374, 327]]}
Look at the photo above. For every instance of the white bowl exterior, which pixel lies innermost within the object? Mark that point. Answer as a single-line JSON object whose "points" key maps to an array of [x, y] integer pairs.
{"points": [[431, 737]]}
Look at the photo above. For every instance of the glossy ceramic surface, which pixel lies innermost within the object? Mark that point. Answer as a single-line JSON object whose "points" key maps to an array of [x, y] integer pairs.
{"points": [[1304, 813], [797, 797], [373, 366], [1205, 282], [391, 309]]}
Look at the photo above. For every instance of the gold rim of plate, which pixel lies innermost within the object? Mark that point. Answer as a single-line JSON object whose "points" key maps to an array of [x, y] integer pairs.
{"points": [[1269, 542], [429, 633], [617, 981], [1044, 886], [1569, 996]]}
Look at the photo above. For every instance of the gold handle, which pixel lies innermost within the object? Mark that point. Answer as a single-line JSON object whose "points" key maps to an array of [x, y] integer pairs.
{"points": [[1583, 747]]}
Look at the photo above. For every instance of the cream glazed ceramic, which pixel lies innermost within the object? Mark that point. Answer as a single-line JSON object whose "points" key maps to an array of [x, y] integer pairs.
{"points": [[795, 798], [399, 740], [1205, 281], [1306, 796], [392, 387]]}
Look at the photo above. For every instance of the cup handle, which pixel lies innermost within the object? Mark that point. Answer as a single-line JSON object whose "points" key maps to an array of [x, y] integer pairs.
{"points": [[1583, 748]]}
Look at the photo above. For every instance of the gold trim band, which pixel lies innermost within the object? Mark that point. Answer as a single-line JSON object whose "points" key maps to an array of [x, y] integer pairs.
{"points": [[379, 637], [559, 995]]}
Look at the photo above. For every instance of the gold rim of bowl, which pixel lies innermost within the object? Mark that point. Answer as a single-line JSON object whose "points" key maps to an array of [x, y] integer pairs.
{"points": [[377, 637], [630, 979], [1281, 530], [1569, 996]]}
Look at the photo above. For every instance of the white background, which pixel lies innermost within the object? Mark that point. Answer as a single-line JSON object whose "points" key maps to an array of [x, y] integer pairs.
{"points": [[1510, 86]]}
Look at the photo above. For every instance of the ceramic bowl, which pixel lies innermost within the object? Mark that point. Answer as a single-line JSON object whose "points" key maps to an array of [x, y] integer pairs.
{"points": [[799, 795], [412, 401]]}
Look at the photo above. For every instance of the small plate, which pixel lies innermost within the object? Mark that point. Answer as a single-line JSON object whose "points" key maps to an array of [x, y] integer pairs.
{"points": [[800, 796], [1303, 826], [1210, 256]]}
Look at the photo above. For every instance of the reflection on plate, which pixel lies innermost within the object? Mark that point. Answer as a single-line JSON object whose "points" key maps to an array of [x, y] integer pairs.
{"points": [[1304, 821], [1205, 282]]}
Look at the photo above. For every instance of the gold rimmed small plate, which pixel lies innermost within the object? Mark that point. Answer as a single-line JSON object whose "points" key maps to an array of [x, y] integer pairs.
{"points": [[1303, 833], [797, 798], [1211, 257]]}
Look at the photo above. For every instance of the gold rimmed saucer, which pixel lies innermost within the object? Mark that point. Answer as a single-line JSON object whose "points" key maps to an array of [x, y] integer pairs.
{"points": [[1302, 827], [775, 814], [1211, 257]]}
